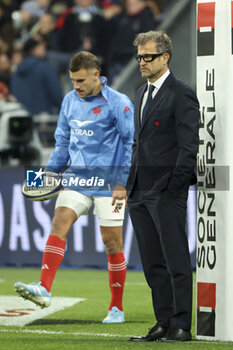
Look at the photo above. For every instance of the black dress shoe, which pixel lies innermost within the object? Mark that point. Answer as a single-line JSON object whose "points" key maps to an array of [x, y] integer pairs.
{"points": [[176, 334], [154, 334]]}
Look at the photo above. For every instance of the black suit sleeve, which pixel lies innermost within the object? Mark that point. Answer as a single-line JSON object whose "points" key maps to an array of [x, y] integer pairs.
{"points": [[187, 116]]}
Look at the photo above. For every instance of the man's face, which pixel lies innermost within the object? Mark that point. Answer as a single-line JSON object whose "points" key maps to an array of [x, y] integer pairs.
{"points": [[84, 3], [39, 50], [156, 68], [85, 82], [46, 24]]}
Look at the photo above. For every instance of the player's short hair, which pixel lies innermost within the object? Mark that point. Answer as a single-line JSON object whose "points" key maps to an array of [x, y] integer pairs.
{"points": [[162, 40], [84, 59]]}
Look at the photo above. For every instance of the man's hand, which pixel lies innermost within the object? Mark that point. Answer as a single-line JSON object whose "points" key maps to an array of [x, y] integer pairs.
{"points": [[119, 192]]}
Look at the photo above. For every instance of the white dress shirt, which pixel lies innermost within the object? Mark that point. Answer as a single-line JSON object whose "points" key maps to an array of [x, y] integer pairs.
{"points": [[157, 84]]}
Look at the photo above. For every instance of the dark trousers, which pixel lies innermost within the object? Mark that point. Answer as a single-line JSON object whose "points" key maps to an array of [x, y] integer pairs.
{"points": [[159, 224]]}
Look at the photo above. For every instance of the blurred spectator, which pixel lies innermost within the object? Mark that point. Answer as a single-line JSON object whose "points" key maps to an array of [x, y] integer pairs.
{"points": [[157, 8], [111, 9], [84, 29], [58, 7], [28, 14], [4, 92], [23, 18], [48, 31], [5, 68], [16, 4], [47, 22], [36, 8], [47, 28], [6, 26], [137, 17], [35, 83], [16, 56]]}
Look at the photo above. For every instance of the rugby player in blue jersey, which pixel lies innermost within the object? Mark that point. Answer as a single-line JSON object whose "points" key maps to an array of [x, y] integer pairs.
{"points": [[94, 136]]}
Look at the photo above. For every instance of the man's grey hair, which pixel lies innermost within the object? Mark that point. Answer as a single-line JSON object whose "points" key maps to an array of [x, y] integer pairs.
{"points": [[161, 39]]}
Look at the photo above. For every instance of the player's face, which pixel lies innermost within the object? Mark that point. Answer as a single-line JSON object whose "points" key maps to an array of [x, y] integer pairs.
{"points": [[86, 82], [155, 69]]}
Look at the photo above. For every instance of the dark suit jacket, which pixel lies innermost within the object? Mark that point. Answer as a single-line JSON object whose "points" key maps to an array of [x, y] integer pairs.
{"points": [[166, 144]]}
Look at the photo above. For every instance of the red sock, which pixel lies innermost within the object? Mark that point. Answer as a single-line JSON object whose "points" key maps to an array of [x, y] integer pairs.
{"points": [[117, 273], [53, 255]]}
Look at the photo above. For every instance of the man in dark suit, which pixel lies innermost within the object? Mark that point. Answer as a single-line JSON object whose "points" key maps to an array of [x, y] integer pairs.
{"points": [[163, 166]]}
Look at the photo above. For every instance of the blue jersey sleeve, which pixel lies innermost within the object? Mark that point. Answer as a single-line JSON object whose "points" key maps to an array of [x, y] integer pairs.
{"points": [[60, 156], [124, 121]]}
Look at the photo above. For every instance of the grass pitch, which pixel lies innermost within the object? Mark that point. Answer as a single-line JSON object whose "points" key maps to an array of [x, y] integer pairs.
{"points": [[80, 326]]}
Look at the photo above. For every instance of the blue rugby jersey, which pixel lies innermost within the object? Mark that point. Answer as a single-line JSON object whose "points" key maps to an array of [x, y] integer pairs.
{"points": [[95, 135]]}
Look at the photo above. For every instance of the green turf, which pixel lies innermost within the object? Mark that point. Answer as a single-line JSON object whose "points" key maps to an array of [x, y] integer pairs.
{"points": [[80, 326]]}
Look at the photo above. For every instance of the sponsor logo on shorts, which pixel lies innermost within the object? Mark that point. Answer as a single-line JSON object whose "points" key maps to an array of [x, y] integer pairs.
{"points": [[118, 207]]}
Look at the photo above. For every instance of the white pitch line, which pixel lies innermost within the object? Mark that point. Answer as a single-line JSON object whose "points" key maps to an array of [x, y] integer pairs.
{"points": [[42, 332], [62, 333]]}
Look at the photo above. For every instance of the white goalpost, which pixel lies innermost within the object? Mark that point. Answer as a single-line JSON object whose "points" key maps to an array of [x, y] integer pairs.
{"points": [[215, 164]]}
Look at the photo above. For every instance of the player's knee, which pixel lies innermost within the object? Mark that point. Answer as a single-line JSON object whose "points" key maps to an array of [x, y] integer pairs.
{"points": [[112, 245], [57, 224], [61, 223], [112, 238]]}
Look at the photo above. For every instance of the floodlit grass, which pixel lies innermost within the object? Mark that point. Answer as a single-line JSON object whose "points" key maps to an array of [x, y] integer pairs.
{"points": [[80, 326]]}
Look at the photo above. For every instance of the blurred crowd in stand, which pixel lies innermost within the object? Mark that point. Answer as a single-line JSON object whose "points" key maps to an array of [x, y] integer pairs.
{"points": [[38, 37]]}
